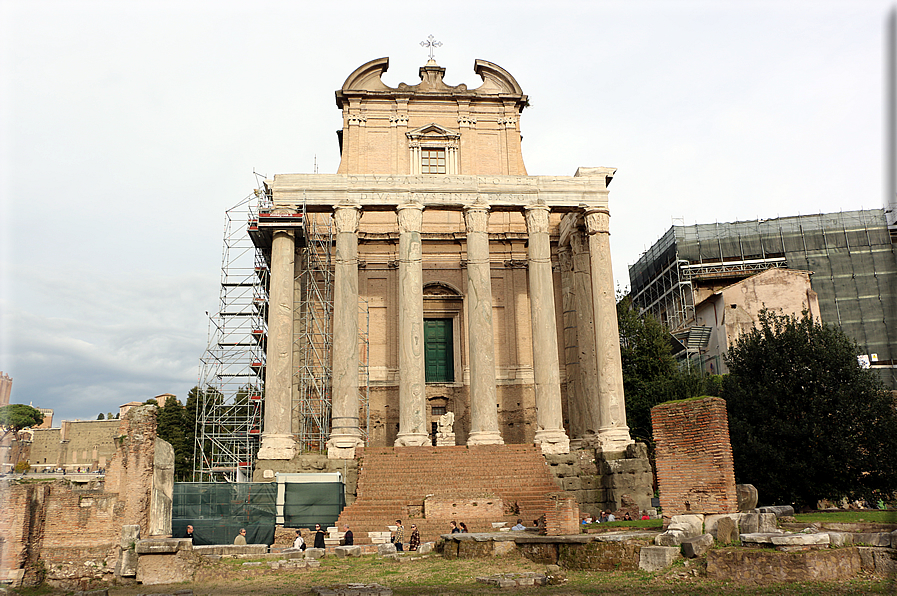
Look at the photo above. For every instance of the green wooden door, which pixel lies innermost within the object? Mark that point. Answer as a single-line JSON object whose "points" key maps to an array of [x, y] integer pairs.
{"points": [[439, 350]]}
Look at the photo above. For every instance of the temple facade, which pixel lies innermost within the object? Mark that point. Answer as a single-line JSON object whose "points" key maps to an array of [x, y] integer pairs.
{"points": [[488, 294]]}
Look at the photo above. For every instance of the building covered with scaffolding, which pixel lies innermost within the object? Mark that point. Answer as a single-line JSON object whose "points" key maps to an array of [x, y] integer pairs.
{"points": [[850, 258]]}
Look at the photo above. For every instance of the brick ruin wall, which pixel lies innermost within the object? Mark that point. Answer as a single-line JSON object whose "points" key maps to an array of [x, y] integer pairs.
{"points": [[69, 533], [695, 472]]}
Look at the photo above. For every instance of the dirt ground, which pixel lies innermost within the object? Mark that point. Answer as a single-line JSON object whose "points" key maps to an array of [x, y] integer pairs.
{"points": [[435, 576]]}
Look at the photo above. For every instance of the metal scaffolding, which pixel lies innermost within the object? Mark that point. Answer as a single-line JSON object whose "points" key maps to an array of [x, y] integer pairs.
{"points": [[229, 412], [850, 255]]}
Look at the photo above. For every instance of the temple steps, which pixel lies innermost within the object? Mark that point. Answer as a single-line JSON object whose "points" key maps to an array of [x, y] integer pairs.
{"points": [[393, 483]]}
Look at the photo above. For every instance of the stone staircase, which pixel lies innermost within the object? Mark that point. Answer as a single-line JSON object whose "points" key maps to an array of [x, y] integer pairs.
{"points": [[394, 482]]}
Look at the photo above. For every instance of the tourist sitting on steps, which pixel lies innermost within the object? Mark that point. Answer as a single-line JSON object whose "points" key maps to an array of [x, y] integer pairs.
{"points": [[349, 537], [241, 537], [519, 527]]}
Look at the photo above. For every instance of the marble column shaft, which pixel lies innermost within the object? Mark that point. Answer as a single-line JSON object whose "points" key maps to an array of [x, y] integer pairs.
{"points": [[483, 407], [589, 410], [613, 434], [549, 414], [277, 439], [345, 433], [412, 375], [571, 347]]}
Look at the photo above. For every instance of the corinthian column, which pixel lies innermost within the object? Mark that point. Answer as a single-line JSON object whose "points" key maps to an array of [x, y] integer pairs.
{"points": [[277, 440], [588, 406], [613, 434], [549, 415], [483, 408], [345, 434], [412, 378]]}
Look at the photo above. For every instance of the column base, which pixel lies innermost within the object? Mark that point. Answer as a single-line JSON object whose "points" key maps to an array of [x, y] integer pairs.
{"points": [[277, 447], [343, 446], [491, 437], [413, 440], [614, 438], [553, 441]]}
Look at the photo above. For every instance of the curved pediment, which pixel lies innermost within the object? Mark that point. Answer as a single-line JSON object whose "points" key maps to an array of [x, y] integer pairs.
{"points": [[441, 290], [495, 79]]}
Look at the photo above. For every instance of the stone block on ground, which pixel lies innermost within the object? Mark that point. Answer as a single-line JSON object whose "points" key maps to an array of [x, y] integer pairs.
{"points": [[800, 539], [768, 523], [347, 551], [315, 553], [670, 538], [167, 568], [426, 547], [655, 558], [749, 523], [159, 546], [747, 497], [779, 510], [726, 530], [894, 539], [756, 539], [696, 546], [386, 549], [691, 525], [840, 538], [872, 538]]}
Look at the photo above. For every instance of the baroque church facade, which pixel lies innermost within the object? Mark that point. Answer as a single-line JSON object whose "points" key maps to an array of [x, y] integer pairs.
{"points": [[489, 292]]}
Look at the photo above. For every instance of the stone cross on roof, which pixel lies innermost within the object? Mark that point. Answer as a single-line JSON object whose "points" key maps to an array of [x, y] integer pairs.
{"points": [[431, 43]]}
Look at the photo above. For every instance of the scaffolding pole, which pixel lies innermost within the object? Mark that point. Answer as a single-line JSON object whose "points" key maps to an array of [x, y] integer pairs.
{"points": [[229, 409]]}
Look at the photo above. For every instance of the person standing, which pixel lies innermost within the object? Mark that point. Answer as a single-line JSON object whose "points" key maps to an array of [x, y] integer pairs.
{"points": [[400, 536], [190, 533], [414, 543], [299, 542], [241, 537], [463, 527], [349, 537], [319, 537], [455, 528]]}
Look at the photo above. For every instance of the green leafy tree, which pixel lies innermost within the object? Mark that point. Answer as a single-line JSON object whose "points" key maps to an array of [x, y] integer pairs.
{"points": [[651, 374], [101, 417], [17, 417], [805, 420]]}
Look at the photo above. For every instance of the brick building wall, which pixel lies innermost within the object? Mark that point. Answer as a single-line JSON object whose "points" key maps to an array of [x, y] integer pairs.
{"points": [[73, 530], [695, 473]]}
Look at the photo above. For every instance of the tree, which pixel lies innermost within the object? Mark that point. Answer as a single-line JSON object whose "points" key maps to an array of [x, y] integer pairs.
{"points": [[651, 374], [16, 417], [172, 426], [101, 417], [806, 421]]}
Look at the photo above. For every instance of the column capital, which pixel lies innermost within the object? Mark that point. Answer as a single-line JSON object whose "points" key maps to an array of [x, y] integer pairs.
{"points": [[476, 218], [410, 216], [597, 220], [345, 218], [536, 218]]}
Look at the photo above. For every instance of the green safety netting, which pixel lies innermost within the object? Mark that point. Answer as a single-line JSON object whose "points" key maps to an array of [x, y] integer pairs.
{"points": [[308, 503], [217, 511]]}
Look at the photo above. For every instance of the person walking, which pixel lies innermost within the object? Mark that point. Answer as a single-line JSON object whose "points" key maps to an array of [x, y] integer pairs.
{"points": [[319, 537], [414, 543], [241, 537], [399, 538], [463, 527], [455, 528], [299, 542]]}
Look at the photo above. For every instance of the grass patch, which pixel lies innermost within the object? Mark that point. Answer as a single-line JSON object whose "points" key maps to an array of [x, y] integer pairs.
{"points": [[845, 517]]}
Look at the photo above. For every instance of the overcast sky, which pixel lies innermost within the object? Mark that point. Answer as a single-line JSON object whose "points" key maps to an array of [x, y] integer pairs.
{"points": [[127, 128]]}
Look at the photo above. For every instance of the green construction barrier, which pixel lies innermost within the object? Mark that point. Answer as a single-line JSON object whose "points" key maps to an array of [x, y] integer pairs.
{"points": [[308, 503], [217, 511]]}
